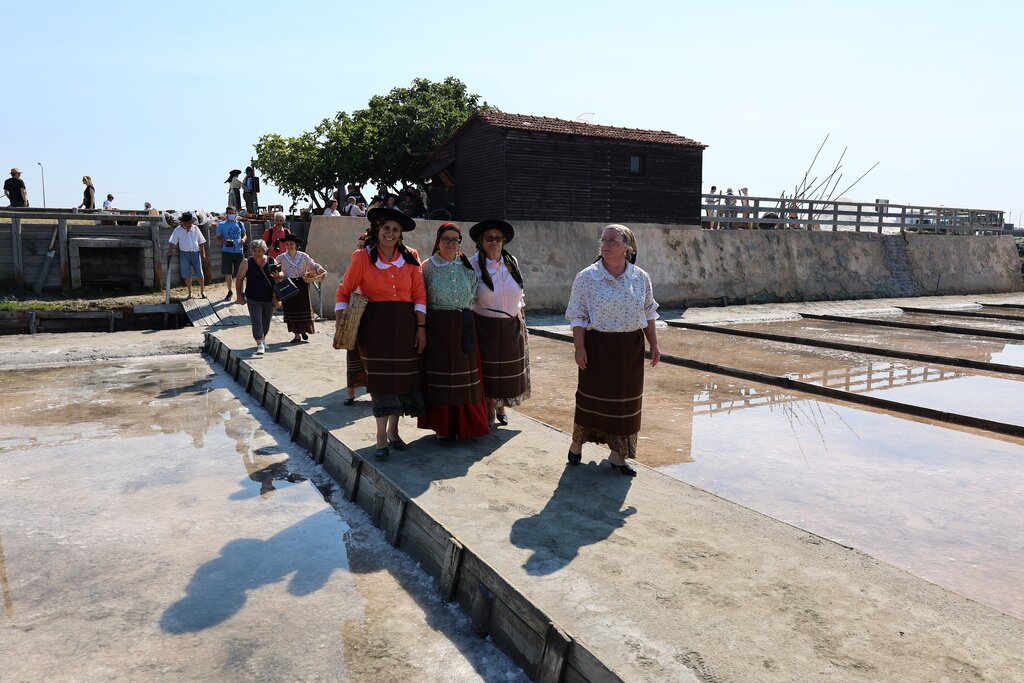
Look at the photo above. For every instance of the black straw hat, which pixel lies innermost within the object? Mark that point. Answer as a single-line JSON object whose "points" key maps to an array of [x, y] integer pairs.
{"points": [[292, 237], [480, 228], [383, 213]]}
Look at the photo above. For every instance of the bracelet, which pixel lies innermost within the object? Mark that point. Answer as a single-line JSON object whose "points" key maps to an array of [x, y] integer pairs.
{"points": [[418, 325]]}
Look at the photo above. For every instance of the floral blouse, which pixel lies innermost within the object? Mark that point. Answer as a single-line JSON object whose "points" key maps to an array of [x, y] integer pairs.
{"points": [[298, 266], [600, 301], [450, 284]]}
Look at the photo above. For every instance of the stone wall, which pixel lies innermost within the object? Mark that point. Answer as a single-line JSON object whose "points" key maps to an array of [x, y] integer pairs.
{"points": [[700, 267]]}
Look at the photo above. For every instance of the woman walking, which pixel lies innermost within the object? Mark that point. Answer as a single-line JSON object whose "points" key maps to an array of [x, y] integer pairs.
{"points": [[355, 370], [392, 332], [500, 325], [300, 268], [611, 309], [258, 272], [454, 393], [88, 195]]}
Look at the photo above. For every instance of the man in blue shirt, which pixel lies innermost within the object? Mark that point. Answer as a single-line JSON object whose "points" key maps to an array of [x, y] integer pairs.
{"points": [[232, 235]]}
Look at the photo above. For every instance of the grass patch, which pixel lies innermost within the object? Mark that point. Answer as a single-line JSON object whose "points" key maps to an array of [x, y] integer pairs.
{"points": [[15, 305]]}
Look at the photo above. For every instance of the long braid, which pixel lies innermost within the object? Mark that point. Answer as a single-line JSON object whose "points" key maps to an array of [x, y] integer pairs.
{"points": [[513, 267], [485, 277]]}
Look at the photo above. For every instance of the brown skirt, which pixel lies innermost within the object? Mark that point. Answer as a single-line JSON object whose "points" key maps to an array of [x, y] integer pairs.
{"points": [[387, 345], [453, 377], [298, 313], [355, 370], [609, 394], [503, 358]]}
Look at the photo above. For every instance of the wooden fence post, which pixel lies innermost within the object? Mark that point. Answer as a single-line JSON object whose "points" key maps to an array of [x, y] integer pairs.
{"points": [[17, 252]]}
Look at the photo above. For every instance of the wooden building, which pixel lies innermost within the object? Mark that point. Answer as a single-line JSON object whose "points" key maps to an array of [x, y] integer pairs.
{"points": [[511, 166]]}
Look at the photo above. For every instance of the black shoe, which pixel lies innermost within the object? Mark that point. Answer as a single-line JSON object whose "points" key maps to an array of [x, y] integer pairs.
{"points": [[349, 401], [228, 296], [502, 418], [575, 458], [623, 469], [397, 444], [382, 453], [305, 337], [295, 340]]}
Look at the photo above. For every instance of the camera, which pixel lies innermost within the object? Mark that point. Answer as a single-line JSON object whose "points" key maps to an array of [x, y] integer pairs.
{"points": [[229, 243]]}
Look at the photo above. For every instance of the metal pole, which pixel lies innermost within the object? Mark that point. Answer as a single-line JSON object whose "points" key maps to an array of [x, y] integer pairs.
{"points": [[42, 175]]}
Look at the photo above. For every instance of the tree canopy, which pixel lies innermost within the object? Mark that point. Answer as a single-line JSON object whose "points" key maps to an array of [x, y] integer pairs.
{"points": [[387, 142]]}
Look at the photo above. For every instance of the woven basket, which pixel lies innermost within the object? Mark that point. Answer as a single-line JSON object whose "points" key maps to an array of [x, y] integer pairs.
{"points": [[314, 277], [346, 324]]}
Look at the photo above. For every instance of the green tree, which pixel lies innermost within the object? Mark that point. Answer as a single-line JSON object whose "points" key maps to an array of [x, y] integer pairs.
{"points": [[387, 142]]}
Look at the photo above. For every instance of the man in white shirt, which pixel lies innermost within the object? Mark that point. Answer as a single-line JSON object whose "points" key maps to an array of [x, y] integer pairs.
{"points": [[352, 209], [108, 203], [189, 242]]}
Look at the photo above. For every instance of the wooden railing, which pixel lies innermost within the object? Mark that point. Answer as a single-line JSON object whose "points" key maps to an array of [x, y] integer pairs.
{"points": [[772, 213]]}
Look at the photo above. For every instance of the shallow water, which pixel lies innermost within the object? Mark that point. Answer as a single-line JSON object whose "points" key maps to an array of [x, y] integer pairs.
{"points": [[994, 324], [944, 503], [982, 349], [155, 525]]}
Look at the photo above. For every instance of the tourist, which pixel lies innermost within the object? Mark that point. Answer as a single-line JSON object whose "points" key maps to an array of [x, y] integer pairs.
{"points": [[88, 195], [712, 203], [355, 370], [301, 269], [274, 234], [611, 309], [250, 190], [257, 272], [352, 208], [501, 327], [392, 332], [15, 191], [355, 193], [234, 187], [231, 235], [189, 241], [147, 207], [730, 211], [108, 203], [453, 391], [332, 208]]}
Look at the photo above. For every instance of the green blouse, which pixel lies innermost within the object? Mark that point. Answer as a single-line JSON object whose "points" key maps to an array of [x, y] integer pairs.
{"points": [[450, 284]]}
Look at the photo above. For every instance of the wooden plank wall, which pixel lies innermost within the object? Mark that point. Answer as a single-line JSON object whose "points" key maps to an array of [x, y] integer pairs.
{"points": [[479, 173]]}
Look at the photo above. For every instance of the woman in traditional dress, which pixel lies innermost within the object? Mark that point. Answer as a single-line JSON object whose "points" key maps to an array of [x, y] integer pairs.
{"points": [[234, 187], [501, 327], [454, 393], [392, 332], [355, 370], [611, 309], [257, 273], [297, 265]]}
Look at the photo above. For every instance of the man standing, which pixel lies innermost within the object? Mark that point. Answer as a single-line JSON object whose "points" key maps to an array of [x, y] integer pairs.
{"points": [[250, 188], [14, 190], [231, 234], [189, 241]]}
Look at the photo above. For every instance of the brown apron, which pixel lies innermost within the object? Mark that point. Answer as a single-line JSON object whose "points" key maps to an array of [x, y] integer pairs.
{"points": [[387, 344], [502, 356], [453, 377], [609, 394]]}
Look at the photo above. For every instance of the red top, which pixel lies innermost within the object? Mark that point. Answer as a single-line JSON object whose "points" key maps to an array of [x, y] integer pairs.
{"points": [[270, 236], [404, 283]]}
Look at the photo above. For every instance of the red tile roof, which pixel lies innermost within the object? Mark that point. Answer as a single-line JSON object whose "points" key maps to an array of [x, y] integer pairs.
{"points": [[544, 124]]}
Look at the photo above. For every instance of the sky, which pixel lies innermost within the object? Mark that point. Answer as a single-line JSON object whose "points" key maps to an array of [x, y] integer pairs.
{"points": [[158, 101]]}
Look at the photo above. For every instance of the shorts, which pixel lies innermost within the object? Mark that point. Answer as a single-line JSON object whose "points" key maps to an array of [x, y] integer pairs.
{"points": [[190, 263], [230, 261]]}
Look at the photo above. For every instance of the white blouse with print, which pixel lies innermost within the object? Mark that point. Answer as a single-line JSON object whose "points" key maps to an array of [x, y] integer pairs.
{"points": [[506, 297], [600, 301]]}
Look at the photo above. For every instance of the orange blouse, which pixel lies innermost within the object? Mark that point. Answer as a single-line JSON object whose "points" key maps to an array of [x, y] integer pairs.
{"points": [[392, 283]]}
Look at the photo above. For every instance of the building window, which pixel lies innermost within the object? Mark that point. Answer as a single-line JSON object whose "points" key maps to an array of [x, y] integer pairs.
{"points": [[637, 163]]}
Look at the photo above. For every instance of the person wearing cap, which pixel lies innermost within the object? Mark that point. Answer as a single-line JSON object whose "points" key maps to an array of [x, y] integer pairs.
{"points": [[392, 331], [453, 390], [14, 190], [298, 265], [501, 327], [189, 241], [231, 234], [275, 234], [611, 309]]}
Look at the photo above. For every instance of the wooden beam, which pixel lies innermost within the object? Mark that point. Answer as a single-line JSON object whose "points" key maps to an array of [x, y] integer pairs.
{"points": [[480, 612], [552, 661], [16, 252], [450, 570], [352, 482], [62, 254], [395, 515]]}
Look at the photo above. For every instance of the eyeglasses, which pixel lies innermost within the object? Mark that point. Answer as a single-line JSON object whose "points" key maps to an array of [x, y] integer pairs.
{"points": [[494, 238], [451, 240], [611, 242]]}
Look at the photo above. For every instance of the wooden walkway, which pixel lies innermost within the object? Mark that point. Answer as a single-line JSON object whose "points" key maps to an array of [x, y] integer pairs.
{"points": [[215, 313]]}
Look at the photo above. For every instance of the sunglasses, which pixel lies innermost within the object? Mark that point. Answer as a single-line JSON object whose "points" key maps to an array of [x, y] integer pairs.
{"points": [[494, 238]]}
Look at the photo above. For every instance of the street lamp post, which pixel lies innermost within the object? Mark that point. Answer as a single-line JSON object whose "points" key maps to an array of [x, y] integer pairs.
{"points": [[42, 175]]}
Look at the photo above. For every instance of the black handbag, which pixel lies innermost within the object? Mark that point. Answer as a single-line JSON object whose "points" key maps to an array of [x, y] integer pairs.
{"points": [[285, 289]]}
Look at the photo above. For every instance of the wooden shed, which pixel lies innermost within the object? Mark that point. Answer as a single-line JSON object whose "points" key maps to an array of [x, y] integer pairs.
{"points": [[512, 166]]}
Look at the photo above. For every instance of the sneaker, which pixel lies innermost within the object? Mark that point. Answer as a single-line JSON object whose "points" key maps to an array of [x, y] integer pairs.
{"points": [[260, 349]]}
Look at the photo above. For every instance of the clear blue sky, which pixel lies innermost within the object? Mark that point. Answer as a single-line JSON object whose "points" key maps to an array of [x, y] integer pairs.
{"points": [[157, 101]]}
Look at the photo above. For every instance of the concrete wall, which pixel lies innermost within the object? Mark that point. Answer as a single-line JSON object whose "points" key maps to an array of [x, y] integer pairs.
{"points": [[694, 267]]}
